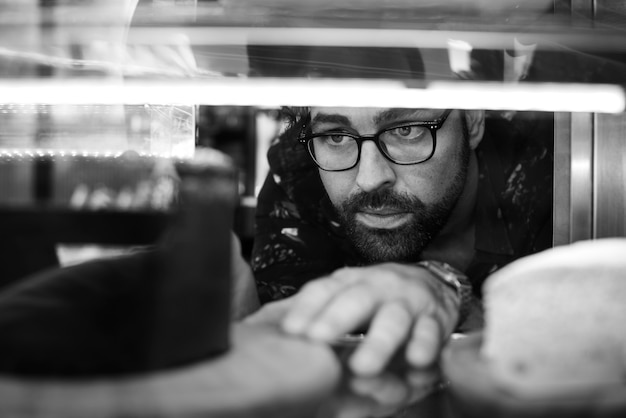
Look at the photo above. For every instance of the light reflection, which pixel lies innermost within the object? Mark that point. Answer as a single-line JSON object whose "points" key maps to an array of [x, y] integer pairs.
{"points": [[549, 97], [39, 152]]}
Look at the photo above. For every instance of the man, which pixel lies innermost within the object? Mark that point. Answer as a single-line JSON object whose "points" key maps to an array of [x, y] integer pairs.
{"points": [[358, 199]]}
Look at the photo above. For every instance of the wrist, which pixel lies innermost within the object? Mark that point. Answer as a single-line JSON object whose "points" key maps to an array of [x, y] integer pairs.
{"points": [[456, 281]]}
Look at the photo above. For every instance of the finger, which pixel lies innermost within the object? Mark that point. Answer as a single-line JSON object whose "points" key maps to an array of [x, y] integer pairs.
{"points": [[386, 389], [387, 332], [423, 348], [308, 303], [422, 382], [349, 309], [349, 406], [423, 377], [312, 298], [271, 313]]}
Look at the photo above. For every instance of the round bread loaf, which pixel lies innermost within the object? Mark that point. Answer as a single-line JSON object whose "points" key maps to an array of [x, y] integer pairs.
{"points": [[555, 322]]}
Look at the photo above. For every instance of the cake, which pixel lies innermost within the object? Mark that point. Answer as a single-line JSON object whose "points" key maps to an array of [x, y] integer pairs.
{"points": [[555, 322]]}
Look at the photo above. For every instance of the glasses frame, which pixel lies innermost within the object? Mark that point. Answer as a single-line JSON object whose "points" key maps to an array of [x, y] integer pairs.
{"points": [[433, 126]]}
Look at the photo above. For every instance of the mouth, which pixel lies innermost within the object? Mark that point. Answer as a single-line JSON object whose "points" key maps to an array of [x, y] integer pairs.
{"points": [[383, 218]]}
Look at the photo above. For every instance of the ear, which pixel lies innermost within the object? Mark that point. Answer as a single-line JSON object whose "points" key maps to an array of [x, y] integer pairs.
{"points": [[475, 122]]}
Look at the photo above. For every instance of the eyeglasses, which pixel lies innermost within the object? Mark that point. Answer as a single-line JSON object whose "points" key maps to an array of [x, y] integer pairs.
{"points": [[406, 144]]}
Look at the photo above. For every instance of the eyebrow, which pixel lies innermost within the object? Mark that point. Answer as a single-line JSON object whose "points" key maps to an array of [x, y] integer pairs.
{"points": [[385, 116], [331, 118], [394, 114]]}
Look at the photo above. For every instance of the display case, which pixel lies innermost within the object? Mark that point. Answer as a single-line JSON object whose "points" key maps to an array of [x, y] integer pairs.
{"points": [[118, 116]]}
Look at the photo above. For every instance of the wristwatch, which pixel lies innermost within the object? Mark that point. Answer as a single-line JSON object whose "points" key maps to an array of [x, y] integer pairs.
{"points": [[454, 279]]}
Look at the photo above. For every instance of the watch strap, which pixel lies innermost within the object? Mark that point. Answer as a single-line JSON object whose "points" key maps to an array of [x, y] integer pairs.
{"points": [[454, 279]]}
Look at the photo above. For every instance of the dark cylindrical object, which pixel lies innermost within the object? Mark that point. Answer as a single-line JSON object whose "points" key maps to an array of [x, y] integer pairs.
{"points": [[160, 307], [191, 305]]}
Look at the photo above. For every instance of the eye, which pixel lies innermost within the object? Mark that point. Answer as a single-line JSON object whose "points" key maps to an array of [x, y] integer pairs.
{"points": [[334, 139], [408, 132], [337, 138]]}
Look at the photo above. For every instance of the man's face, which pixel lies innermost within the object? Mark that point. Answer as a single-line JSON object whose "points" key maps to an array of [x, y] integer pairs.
{"points": [[391, 212]]}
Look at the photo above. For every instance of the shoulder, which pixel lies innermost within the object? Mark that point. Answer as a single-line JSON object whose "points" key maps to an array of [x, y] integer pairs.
{"points": [[518, 161], [523, 139]]}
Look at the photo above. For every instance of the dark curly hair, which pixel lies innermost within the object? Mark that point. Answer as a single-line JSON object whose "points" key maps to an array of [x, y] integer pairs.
{"points": [[296, 61]]}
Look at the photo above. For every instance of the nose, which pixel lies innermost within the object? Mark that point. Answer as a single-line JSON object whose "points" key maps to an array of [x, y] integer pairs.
{"points": [[374, 170]]}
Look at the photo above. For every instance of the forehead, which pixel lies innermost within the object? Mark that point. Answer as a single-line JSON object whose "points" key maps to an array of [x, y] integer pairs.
{"points": [[369, 115]]}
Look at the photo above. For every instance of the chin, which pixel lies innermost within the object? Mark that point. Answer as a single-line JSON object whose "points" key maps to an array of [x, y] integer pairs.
{"points": [[402, 244]]}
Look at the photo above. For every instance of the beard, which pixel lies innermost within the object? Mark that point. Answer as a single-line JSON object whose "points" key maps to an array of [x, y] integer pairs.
{"points": [[404, 243]]}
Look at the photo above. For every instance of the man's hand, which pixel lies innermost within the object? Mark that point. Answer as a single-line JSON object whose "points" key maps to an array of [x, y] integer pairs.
{"points": [[383, 395], [244, 296], [398, 304]]}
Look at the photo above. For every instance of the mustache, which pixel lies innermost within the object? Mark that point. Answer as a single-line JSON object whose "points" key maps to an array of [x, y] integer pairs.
{"points": [[382, 198]]}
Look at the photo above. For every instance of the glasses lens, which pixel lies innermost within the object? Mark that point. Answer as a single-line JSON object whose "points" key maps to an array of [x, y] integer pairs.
{"points": [[334, 151], [407, 144]]}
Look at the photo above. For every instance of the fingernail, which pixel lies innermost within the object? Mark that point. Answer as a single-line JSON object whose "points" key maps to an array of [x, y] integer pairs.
{"points": [[420, 356], [364, 364]]}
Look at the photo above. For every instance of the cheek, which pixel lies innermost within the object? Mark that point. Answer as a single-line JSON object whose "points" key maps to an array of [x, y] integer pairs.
{"points": [[421, 182], [337, 184], [430, 181]]}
